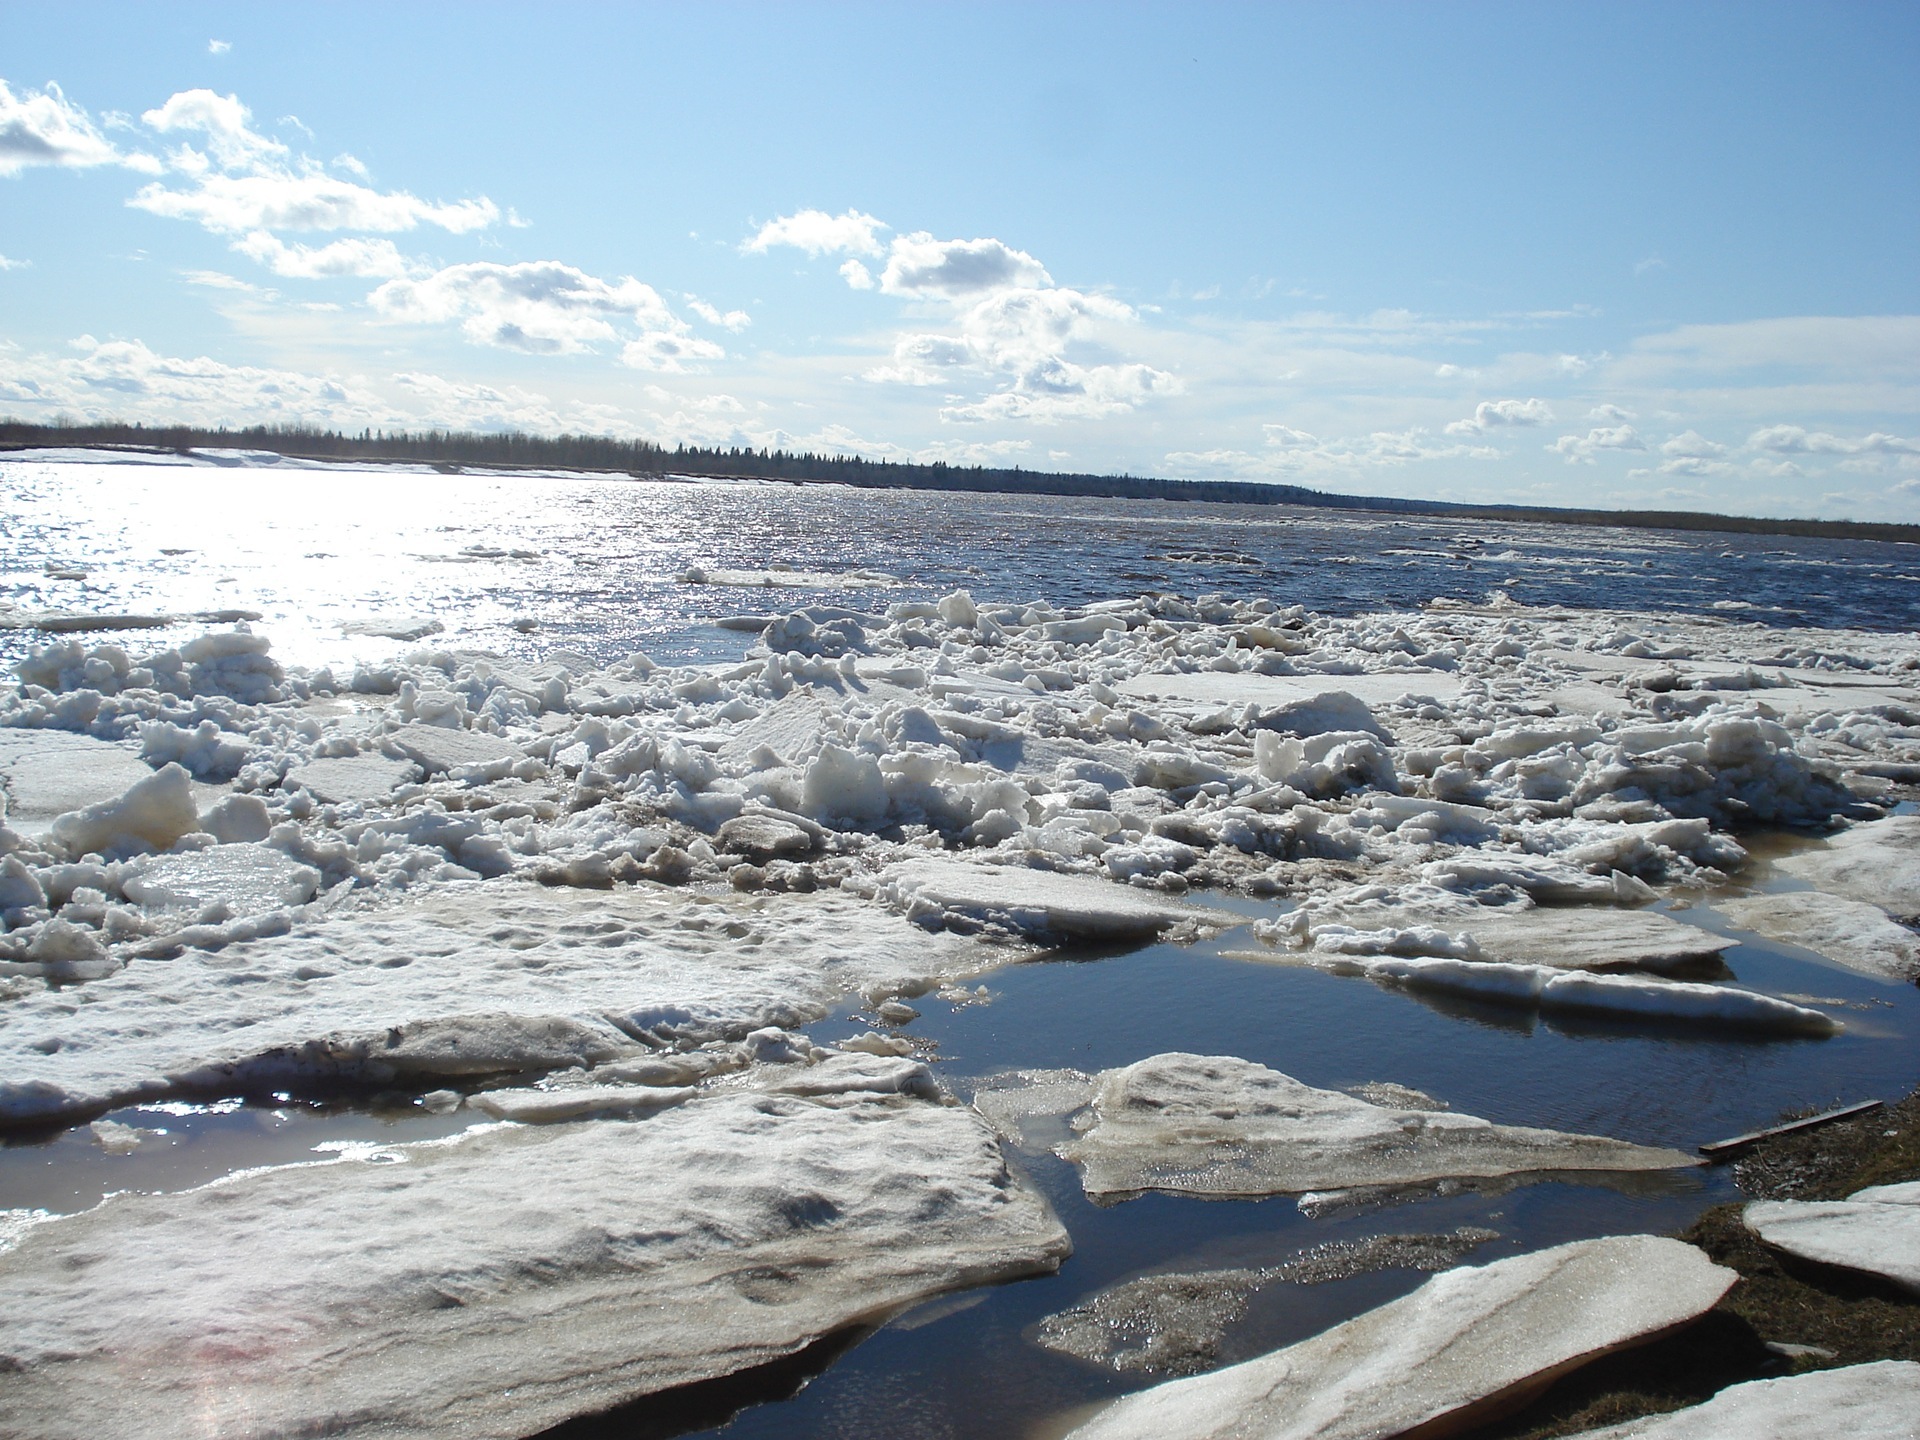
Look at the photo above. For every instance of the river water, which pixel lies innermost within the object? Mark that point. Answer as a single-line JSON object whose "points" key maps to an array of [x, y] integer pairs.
{"points": [[523, 564]]}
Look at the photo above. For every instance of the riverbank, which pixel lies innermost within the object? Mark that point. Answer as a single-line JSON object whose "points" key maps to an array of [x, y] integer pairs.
{"points": [[1783, 1317]]}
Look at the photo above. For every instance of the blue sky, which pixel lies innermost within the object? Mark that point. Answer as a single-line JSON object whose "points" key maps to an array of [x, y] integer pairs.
{"points": [[1593, 254]]}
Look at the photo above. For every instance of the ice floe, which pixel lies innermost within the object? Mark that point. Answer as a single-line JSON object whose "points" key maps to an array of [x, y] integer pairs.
{"points": [[1466, 1344], [1876, 1401], [463, 982], [1878, 863], [501, 1281], [1172, 1324], [1876, 1230], [1852, 933], [1218, 1125]]}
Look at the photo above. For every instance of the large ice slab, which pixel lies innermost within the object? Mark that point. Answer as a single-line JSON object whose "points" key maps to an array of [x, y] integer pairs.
{"points": [[1236, 688], [1465, 1346], [436, 749], [1038, 902], [497, 1283], [46, 773], [494, 977], [247, 878], [1600, 938], [1876, 1230], [351, 777], [1878, 862], [1220, 1125], [1862, 1402], [1852, 933]]}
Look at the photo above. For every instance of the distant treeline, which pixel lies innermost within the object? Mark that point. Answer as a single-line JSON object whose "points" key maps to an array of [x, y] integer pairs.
{"points": [[642, 459]]}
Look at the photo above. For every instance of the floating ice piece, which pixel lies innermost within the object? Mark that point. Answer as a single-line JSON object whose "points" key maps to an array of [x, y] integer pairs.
{"points": [[248, 879], [1172, 1324], [344, 778], [544, 1107], [153, 813], [1852, 933], [1469, 1343], [1546, 879], [1038, 902], [46, 773], [1862, 1402], [502, 977], [1579, 992], [393, 627], [1595, 938], [1218, 1125], [498, 1283], [437, 750], [1876, 1230], [1218, 687], [1878, 862], [782, 577]]}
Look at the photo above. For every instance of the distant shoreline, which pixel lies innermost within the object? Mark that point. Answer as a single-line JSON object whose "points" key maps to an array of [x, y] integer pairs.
{"points": [[453, 451]]}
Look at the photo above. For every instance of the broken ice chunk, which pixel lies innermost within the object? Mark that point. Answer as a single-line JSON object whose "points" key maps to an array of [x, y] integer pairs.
{"points": [[1219, 1125]]}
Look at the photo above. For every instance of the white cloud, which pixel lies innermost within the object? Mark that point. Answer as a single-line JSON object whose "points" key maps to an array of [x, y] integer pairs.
{"points": [[219, 280], [919, 265], [818, 233], [547, 308], [1697, 465], [1285, 437], [1023, 339], [44, 128], [735, 320], [1610, 415], [219, 47], [126, 380], [1580, 449], [235, 204], [222, 121], [1692, 445], [245, 181], [1492, 414], [354, 255], [1794, 440], [6, 264], [857, 275]]}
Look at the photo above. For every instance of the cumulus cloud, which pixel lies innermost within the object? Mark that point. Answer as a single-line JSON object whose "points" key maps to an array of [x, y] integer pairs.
{"points": [[236, 204], [6, 264], [1610, 415], [1041, 345], [221, 122], [1581, 449], [1794, 440], [919, 265], [1293, 452], [1285, 437], [1024, 339], [1494, 414], [243, 181], [377, 259], [1692, 445], [818, 233], [42, 127], [735, 320], [545, 307]]}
